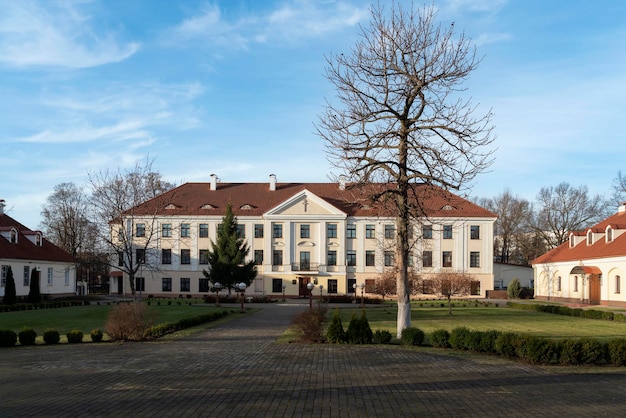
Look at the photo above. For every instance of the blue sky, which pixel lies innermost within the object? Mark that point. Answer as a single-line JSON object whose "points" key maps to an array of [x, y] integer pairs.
{"points": [[233, 87]]}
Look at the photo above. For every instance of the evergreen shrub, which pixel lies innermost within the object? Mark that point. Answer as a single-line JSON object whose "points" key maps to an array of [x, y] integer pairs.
{"points": [[506, 344], [459, 338], [8, 338], [440, 338], [51, 336], [27, 336], [412, 336], [74, 336], [335, 333], [359, 331], [617, 351], [382, 336], [96, 335]]}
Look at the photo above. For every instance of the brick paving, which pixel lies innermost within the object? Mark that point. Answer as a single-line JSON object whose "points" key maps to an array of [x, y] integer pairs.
{"points": [[238, 370]]}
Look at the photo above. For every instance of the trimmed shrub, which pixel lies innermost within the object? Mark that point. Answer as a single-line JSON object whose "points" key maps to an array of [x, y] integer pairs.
{"points": [[592, 351], [440, 338], [51, 336], [382, 336], [488, 341], [459, 338], [96, 335], [412, 336], [310, 325], [74, 336], [335, 333], [535, 350], [506, 344], [617, 351], [473, 341], [27, 336], [570, 351], [129, 321], [359, 331], [514, 289], [8, 338]]}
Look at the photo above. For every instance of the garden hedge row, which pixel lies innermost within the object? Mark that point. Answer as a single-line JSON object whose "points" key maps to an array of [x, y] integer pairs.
{"points": [[165, 328], [564, 310]]}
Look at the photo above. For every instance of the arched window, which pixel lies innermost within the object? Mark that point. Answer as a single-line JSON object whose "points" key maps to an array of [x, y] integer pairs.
{"points": [[609, 234], [575, 283], [13, 236], [617, 284], [558, 283], [589, 238], [571, 241]]}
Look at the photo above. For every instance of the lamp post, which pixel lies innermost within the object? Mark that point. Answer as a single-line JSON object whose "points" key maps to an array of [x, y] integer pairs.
{"points": [[242, 288], [217, 286], [354, 286], [284, 287], [310, 286], [321, 293], [362, 286]]}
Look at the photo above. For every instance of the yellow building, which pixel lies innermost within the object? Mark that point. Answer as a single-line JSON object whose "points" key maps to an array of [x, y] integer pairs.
{"points": [[302, 232]]}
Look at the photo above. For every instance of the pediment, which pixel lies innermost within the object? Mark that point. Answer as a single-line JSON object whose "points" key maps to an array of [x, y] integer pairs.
{"points": [[305, 204]]}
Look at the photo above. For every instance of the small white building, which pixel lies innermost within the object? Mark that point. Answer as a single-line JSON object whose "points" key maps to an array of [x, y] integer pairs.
{"points": [[503, 273], [588, 268], [25, 250]]}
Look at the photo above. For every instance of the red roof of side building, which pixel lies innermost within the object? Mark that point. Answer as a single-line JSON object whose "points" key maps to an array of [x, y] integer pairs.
{"points": [[25, 249], [599, 249], [197, 199]]}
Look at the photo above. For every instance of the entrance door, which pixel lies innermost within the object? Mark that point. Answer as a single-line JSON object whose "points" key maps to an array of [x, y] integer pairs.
{"points": [[120, 285], [303, 291], [594, 289]]}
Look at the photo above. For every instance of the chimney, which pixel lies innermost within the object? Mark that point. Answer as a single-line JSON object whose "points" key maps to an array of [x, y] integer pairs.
{"points": [[620, 209], [213, 182], [272, 182], [2, 206], [342, 182]]}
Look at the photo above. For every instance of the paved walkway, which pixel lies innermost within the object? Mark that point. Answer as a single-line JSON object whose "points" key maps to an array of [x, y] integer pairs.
{"points": [[238, 370]]}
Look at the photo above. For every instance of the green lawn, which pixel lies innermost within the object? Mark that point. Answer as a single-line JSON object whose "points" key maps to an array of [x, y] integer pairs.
{"points": [[429, 318], [86, 318]]}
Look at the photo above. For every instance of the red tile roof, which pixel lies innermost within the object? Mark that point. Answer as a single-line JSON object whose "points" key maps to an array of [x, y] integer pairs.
{"points": [[190, 199], [599, 249], [25, 249]]}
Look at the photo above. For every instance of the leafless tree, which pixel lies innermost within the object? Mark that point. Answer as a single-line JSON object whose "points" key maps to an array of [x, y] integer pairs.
{"points": [[562, 209], [66, 219], [128, 234], [400, 118], [385, 284], [449, 284], [619, 189]]}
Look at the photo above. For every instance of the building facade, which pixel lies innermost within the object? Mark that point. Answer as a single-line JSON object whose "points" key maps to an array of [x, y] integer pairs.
{"points": [[300, 233], [589, 268], [25, 250]]}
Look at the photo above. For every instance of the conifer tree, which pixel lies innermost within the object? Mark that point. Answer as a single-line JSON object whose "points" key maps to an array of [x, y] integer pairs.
{"points": [[34, 294], [9, 289], [227, 258]]}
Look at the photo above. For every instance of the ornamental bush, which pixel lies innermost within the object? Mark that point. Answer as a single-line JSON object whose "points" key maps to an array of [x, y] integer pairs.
{"points": [[74, 336], [440, 338], [488, 341], [27, 336], [506, 344], [359, 331], [617, 351], [335, 333], [382, 336], [412, 336], [129, 321], [459, 338], [535, 350], [8, 338], [311, 325], [514, 289], [51, 336], [592, 351], [96, 335]]}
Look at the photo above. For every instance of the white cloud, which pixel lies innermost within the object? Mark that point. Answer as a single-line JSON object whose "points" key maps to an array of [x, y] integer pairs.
{"points": [[55, 34]]}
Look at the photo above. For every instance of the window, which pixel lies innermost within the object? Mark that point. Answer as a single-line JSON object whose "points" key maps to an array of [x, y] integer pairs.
{"points": [[67, 276], [203, 256], [370, 258], [26, 276], [558, 284], [185, 284], [141, 230], [13, 237], [277, 257], [390, 231], [166, 256], [351, 231], [474, 259], [571, 241], [166, 230], [203, 230], [50, 276], [277, 285], [609, 234], [446, 259], [350, 284], [185, 256], [166, 284], [617, 284], [475, 232], [120, 258], [258, 257], [351, 257], [277, 230], [447, 232], [185, 230], [589, 238], [140, 284], [427, 231], [241, 231], [3, 275], [140, 255], [305, 231], [370, 231], [203, 285], [305, 260], [332, 285], [389, 258], [575, 283], [331, 231], [258, 230], [331, 258], [427, 259]]}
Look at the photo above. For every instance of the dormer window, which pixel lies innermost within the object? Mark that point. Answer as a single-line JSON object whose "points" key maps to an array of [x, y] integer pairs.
{"points": [[589, 238], [572, 241], [171, 206], [609, 234], [207, 206], [13, 236], [246, 207], [38, 241]]}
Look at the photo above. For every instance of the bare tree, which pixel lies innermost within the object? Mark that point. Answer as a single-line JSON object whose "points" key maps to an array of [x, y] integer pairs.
{"points": [[400, 119], [385, 284], [450, 284], [619, 189], [562, 209], [66, 219], [127, 233]]}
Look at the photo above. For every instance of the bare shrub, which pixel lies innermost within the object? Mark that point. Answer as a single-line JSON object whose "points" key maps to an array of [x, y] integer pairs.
{"points": [[129, 321], [310, 325]]}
